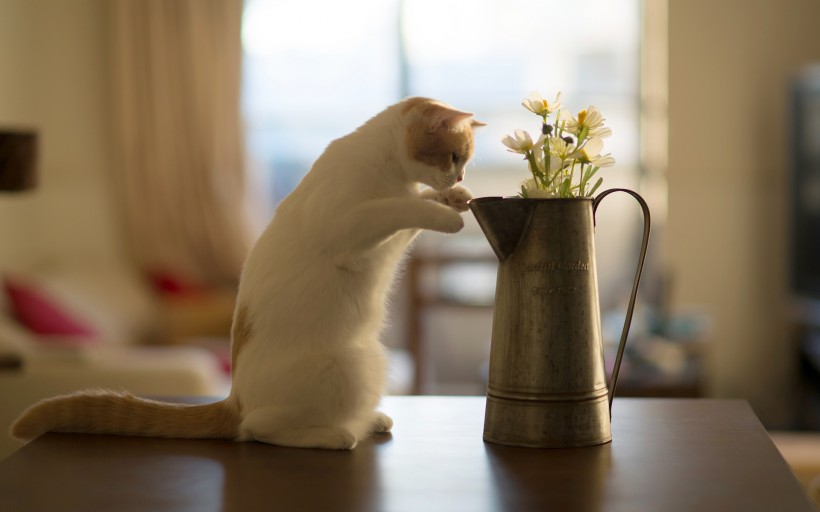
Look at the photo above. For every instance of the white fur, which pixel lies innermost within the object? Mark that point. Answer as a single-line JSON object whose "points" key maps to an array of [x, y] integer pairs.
{"points": [[316, 283]]}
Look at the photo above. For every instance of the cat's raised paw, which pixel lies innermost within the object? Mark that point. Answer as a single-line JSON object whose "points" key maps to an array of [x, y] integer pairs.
{"points": [[456, 198], [450, 223]]}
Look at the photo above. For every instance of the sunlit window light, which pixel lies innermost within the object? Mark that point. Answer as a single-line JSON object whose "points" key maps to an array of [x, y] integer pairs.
{"points": [[316, 69]]}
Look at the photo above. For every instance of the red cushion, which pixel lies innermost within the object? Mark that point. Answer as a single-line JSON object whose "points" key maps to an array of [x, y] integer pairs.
{"points": [[42, 315], [170, 284]]}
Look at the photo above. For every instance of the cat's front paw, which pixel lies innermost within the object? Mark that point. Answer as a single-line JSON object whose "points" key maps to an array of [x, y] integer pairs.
{"points": [[456, 198], [451, 222]]}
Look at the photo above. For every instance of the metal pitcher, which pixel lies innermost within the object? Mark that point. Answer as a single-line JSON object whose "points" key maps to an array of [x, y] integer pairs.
{"points": [[547, 383]]}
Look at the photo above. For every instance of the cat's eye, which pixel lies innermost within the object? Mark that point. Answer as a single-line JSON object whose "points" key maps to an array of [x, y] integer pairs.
{"points": [[456, 158]]}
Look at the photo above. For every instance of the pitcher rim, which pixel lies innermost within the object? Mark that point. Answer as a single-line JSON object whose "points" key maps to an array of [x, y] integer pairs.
{"points": [[487, 199]]}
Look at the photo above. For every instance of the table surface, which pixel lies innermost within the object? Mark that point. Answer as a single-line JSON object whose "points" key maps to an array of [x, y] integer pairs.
{"points": [[666, 454]]}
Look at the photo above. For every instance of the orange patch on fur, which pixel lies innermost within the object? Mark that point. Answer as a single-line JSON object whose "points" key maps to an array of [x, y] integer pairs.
{"points": [[119, 413], [432, 142], [411, 103], [436, 148], [240, 333]]}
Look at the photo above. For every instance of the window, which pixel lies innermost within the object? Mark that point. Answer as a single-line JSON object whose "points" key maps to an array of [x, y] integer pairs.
{"points": [[316, 69]]}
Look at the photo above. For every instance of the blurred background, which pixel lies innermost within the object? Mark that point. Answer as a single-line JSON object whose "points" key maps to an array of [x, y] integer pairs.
{"points": [[158, 137]]}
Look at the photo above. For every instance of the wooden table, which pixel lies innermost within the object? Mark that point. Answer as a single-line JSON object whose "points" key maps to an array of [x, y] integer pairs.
{"points": [[666, 455]]}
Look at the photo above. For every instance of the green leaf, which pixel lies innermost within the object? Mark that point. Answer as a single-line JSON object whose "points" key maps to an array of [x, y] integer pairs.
{"points": [[565, 188], [595, 187]]}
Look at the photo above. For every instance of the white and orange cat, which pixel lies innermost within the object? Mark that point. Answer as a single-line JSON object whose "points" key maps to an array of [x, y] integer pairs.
{"points": [[308, 367]]}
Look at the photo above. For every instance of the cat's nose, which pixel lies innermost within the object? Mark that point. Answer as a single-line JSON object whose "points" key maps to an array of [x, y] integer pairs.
{"points": [[460, 177]]}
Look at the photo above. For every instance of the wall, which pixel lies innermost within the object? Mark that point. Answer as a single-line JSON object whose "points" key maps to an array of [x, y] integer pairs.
{"points": [[54, 78], [730, 62], [729, 66]]}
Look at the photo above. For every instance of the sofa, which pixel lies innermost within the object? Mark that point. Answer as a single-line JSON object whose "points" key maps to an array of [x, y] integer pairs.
{"points": [[68, 329], [63, 330]]}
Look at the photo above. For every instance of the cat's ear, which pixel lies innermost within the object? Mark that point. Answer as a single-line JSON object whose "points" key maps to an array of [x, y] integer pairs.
{"points": [[446, 118], [475, 123]]}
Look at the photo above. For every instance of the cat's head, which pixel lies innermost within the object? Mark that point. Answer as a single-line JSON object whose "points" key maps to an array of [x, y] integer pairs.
{"points": [[438, 142]]}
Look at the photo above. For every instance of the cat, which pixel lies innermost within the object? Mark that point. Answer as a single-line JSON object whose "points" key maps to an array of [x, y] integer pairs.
{"points": [[308, 368]]}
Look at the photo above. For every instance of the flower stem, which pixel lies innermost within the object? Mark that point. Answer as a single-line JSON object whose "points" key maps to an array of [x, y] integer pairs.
{"points": [[582, 183], [534, 168], [571, 176]]}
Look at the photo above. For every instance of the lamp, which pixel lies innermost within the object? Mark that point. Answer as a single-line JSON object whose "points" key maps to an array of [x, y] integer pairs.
{"points": [[18, 160], [18, 172]]}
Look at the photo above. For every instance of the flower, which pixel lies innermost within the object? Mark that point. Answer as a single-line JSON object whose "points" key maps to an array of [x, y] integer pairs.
{"points": [[520, 142], [538, 105], [555, 162], [530, 189], [560, 148], [567, 155], [590, 153], [588, 123]]}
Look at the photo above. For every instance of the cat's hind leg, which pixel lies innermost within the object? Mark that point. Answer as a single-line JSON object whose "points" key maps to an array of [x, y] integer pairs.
{"points": [[268, 425], [382, 423], [330, 438]]}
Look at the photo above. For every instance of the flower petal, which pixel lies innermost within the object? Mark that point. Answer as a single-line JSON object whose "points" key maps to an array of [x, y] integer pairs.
{"points": [[603, 161], [534, 103], [510, 143], [520, 142], [601, 132], [593, 117], [593, 146]]}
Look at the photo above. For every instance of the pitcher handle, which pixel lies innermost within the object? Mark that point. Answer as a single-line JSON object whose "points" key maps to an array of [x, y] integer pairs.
{"points": [[613, 381]]}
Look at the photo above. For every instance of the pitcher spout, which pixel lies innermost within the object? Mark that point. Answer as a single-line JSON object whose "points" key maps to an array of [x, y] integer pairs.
{"points": [[503, 222]]}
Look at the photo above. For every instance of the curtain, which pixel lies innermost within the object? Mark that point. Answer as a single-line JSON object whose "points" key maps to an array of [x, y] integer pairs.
{"points": [[179, 142]]}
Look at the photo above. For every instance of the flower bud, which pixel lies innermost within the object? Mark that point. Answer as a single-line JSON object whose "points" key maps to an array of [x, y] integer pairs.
{"points": [[546, 129], [568, 139]]}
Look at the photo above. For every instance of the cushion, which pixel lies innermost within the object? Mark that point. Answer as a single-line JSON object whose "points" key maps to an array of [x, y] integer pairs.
{"points": [[44, 316], [114, 301]]}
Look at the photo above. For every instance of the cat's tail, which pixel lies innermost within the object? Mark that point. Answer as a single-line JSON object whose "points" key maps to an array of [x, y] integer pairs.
{"points": [[119, 413]]}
